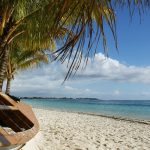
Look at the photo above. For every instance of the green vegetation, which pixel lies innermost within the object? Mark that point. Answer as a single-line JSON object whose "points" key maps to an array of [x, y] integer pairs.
{"points": [[35, 25], [22, 60]]}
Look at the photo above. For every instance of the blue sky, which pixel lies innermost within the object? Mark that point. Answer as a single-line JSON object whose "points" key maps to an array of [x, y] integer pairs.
{"points": [[122, 76], [133, 39]]}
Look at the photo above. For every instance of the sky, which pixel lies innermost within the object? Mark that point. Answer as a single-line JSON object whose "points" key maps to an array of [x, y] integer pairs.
{"points": [[124, 75]]}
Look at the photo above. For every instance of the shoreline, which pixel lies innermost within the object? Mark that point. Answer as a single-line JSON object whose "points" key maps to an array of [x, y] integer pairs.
{"points": [[134, 120]]}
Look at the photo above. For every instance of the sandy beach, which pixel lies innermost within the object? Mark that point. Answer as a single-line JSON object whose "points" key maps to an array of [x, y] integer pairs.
{"points": [[73, 131]]}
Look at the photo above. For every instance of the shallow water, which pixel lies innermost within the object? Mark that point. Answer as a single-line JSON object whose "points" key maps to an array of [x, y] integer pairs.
{"points": [[134, 109]]}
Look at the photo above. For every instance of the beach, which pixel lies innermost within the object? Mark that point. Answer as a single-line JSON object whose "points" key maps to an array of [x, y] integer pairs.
{"points": [[60, 130]]}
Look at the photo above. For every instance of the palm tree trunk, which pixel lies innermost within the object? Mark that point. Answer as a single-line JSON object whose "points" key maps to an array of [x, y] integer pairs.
{"points": [[8, 86], [3, 65]]}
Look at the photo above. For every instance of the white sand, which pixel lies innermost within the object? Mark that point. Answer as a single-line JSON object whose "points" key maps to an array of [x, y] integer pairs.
{"points": [[73, 131]]}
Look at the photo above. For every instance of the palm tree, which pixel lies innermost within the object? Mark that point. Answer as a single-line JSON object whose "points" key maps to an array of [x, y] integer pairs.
{"points": [[32, 25], [27, 24], [22, 60]]}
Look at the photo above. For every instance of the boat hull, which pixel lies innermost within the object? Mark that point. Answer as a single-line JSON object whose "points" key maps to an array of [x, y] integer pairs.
{"points": [[19, 123]]}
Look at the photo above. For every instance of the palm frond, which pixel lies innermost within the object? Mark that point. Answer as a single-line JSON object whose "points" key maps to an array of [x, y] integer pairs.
{"points": [[32, 62], [77, 26]]}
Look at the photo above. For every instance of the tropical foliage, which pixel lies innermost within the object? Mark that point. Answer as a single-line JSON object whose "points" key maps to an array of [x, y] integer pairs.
{"points": [[21, 60], [35, 24]]}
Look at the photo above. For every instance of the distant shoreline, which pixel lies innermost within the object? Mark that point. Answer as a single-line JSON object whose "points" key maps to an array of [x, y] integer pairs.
{"points": [[78, 98], [58, 98]]}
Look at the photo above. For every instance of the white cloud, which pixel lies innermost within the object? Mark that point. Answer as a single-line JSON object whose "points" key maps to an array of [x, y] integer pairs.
{"points": [[111, 69], [117, 92], [47, 81], [146, 93]]}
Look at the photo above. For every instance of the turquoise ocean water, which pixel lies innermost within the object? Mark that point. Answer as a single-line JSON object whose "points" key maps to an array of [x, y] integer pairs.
{"points": [[134, 109]]}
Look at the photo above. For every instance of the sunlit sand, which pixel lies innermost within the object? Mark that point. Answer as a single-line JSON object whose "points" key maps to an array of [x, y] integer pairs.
{"points": [[74, 131]]}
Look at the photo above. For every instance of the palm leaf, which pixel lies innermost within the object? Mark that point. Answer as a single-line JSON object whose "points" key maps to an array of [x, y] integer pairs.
{"points": [[81, 23]]}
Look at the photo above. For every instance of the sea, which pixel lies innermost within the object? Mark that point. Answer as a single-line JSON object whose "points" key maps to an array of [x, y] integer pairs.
{"points": [[131, 109]]}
